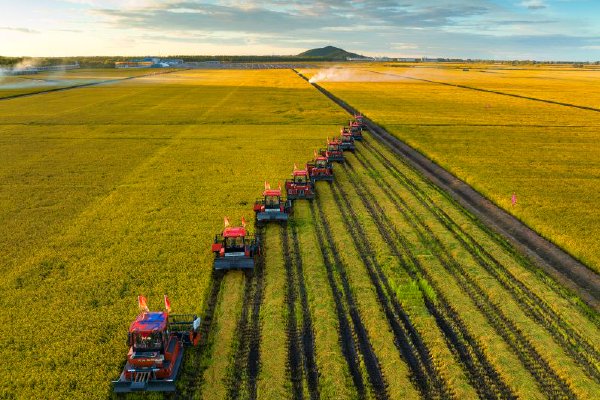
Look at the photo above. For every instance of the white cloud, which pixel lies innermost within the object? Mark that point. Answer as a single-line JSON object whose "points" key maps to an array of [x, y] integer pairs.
{"points": [[534, 4]]}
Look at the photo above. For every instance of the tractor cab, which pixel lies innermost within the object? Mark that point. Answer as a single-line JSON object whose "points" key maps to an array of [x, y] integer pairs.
{"points": [[356, 129], [234, 248], [300, 186], [360, 119], [320, 169], [333, 152], [345, 129], [347, 141], [272, 207], [156, 343]]}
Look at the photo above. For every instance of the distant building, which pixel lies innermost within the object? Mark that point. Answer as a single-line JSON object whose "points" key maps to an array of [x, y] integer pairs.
{"points": [[149, 62], [133, 64]]}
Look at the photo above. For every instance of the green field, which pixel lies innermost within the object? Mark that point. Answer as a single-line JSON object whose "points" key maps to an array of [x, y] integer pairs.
{"points": [[544, 153], [380, 288]]}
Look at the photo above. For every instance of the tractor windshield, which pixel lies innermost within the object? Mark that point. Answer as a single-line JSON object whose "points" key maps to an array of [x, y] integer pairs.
{"points": [[272, 201], [333, 147], [147, 342], [321, 163], [300, 179], [234, 243]]}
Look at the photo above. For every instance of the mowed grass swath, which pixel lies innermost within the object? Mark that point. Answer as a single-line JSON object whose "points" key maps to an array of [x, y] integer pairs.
{"points": [[499, 144], [117, 190]]}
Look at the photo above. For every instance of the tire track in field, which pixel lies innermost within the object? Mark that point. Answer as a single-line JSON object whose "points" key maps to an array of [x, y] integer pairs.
{"points": [[294, 363], [245, 366], [480, 372], [549, 383], [569, 339], [558, 268], [407, 339], [307, 333], [193, 377], [456, 85], [351, 337]]}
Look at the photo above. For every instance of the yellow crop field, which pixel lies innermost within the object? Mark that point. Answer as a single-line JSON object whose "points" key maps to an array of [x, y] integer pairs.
{"points": [[43, 81], [381, 287], [116, 190], [500, 144]]}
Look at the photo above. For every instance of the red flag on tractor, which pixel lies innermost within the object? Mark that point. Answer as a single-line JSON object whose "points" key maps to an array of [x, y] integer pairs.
{"points": [[143, 304], [167, 304]]}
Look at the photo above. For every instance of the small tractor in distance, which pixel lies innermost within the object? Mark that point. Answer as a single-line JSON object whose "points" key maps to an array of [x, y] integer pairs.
{"points": [[361, 120], [320, 169], [234, 248], [347, 141], [356, 129], [156, 342], [333, 151], [272, 207], [300, 187]]}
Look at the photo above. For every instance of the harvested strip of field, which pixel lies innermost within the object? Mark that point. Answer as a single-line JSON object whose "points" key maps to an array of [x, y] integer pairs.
{"points": [[335, 379], [531, 304]]}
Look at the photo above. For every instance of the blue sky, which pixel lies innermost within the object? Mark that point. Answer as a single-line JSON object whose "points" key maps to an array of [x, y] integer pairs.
{"points": [[492, 29]]}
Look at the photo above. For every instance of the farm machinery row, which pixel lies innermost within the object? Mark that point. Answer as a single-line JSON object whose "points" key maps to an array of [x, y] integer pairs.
{"points": [[157, 339], [235, 249]]}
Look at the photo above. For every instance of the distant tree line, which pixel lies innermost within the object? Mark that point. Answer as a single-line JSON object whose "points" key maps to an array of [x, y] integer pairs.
{"points": [[109, 62]]}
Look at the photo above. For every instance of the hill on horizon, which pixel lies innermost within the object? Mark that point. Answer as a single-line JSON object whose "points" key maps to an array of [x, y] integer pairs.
{"points": [[330, 52]]}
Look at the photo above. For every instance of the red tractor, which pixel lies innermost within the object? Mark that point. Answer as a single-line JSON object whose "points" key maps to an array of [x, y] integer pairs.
{"points": [[347, 141], [156, 342], [272, 207], [234, 248], [333, 152], [300, 186], [356, 129], [361, 120], [320, 169]]}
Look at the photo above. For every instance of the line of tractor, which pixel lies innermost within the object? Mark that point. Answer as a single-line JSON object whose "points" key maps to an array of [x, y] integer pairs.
{"points": [[157, 339]]}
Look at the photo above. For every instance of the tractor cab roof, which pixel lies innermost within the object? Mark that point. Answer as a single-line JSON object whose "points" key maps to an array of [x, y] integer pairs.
{"points": [[333, 141], [300, 172], [346, 133], [237, 231], [320, 158], [272, 192], [149, 322]]}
